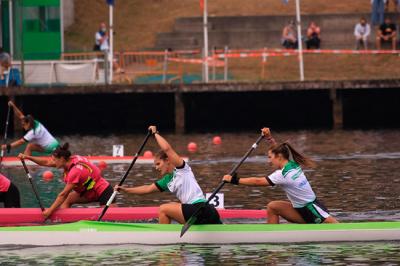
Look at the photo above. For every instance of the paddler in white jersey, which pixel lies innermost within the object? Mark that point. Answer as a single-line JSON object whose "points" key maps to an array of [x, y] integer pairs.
{"points": [[176, 177], [303, 206], [37, 136]]}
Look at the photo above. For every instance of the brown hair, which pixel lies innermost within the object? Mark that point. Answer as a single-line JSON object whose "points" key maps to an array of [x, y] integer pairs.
{"points": [[29, 120], [161, 155], [287, 151], [62, 152]]}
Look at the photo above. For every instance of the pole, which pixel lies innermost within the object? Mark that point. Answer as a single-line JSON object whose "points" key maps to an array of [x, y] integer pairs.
{"points": [[225, 64], [11, 28], [111, 52], [300, 40], [62, 24], [205, 49]]}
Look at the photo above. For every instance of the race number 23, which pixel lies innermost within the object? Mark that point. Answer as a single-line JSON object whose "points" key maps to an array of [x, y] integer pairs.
{"points": [[217, 201]]}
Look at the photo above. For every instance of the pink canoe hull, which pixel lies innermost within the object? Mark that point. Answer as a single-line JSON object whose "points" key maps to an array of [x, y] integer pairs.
{"points": [[34, 215], [14, 161]]}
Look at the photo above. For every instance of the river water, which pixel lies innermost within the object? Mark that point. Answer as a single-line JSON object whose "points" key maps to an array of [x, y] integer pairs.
{"points": [[356, 177]]}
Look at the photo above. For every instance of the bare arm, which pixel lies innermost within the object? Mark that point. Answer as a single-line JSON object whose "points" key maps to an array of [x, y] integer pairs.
{"points": [[38, 160], [268, 136], [173, 157], [146, 189], [17, 111], [248, 181], [14, 144], [62, 196]]}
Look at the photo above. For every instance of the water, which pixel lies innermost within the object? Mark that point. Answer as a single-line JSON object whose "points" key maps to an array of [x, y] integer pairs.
{"points": [[356, 177]]}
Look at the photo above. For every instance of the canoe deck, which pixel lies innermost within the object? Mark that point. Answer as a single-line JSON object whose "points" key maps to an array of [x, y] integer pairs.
{"points": [[104, 233], [34, 215]]}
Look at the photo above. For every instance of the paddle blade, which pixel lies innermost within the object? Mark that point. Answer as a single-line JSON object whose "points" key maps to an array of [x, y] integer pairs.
{"points": [[188, 224]]}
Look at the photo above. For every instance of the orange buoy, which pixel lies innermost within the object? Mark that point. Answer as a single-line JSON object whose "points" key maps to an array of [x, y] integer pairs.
{"points": [[192, 147], [217, 140], [102, 165], [47, 175], [148, 154]]}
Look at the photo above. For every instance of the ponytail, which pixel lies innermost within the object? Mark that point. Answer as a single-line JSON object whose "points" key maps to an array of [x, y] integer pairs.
{"points": [[289, 153], [62, 152]]}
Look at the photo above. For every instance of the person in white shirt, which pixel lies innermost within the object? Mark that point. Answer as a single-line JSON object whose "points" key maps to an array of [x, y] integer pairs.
{"points": [[362, 32], [303, 206], [177, 178], [37, 136], [101, 39]]}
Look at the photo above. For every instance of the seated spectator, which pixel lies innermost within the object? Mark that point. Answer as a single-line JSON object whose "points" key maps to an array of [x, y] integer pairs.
{"points": [[362, 32], [289, 36], [386, 33], [313, 36], [5, 62]]}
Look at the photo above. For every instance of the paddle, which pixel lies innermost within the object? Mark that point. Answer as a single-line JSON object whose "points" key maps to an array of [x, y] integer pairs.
{"points": [[32, 184], [125, 175], [5, 134], [193, 218]]}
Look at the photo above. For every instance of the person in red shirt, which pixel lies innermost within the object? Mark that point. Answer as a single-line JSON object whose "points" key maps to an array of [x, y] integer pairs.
{"points": [[83, 180], [9, 193]]}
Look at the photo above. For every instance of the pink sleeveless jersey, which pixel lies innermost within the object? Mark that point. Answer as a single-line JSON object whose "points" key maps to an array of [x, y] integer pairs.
{"points": [[86, 177], [4, 183]]}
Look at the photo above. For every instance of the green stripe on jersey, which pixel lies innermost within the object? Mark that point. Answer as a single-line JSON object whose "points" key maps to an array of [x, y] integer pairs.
{"points": [[291, 165]]}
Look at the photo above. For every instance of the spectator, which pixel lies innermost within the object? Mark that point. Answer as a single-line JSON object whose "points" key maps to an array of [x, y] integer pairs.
{"points": [[396, 4], [378, 11], [386, 33], [5, 62], [289, 36], [101, 39], [102, 44], [313, 36], [362, 32]]}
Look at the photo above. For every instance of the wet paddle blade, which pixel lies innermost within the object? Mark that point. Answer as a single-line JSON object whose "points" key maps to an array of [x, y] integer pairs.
{"points": [[188, 224]]}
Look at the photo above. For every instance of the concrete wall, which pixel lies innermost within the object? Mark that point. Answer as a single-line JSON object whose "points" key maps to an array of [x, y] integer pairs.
{"points": [[260, 31], [198, 107], [69, 13]]}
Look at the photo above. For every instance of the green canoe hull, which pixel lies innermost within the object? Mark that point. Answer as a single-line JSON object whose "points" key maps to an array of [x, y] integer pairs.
{"points": [[104, 233]]}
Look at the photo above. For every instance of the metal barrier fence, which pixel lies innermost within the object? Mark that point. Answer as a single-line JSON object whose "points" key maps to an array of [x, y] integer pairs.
{"points": [[188, 66]]}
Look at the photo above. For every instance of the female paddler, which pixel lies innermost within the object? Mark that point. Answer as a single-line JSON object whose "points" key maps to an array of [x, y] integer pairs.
{"points": [[9, 193], [303, 205], [176, 177], [83, 180], [37, 136]]}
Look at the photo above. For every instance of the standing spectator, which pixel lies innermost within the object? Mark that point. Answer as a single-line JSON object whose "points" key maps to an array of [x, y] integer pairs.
{"points": [[386, 33], [5, 62], [378, 11], [101, 39], [102, 44], [396, 4], [362, 32], [289, 36], [313, 36]]}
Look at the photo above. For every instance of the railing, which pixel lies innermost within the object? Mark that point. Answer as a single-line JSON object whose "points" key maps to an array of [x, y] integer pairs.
{"points": [[225, 65]]}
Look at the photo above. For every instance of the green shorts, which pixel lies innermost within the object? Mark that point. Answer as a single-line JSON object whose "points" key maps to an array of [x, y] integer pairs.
{"points": [[51, 147]]}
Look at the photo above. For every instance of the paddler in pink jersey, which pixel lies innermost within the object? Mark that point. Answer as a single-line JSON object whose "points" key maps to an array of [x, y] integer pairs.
{"points": [[84, 183], [9, 193]]}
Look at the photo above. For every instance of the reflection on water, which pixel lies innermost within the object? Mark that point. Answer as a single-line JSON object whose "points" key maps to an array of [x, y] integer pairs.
{"points": [[356, 177], [306, 254]]}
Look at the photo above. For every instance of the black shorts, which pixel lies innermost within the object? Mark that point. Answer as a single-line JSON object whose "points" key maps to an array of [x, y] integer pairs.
{"points": [[314, 212], [209, 215], [106, 195], [11, 198]]}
